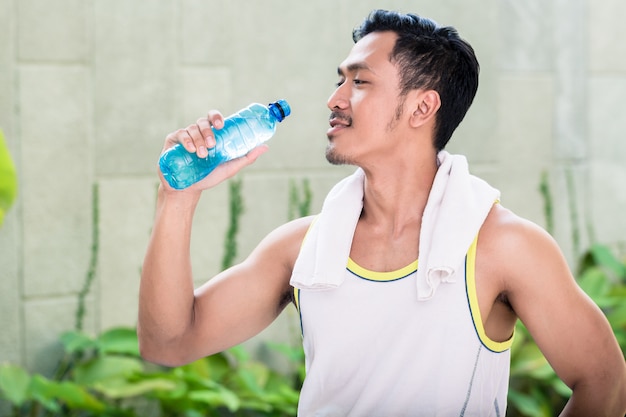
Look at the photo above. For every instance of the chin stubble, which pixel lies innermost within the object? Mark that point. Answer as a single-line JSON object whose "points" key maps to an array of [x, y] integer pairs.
{"points": [[331, 155]]}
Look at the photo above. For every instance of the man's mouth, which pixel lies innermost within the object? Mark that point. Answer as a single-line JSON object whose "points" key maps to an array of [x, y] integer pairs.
{"points": [[337, 122]]}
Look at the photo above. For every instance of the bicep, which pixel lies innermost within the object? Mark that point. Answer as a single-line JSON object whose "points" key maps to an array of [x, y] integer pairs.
{"points": [[241, 301]]}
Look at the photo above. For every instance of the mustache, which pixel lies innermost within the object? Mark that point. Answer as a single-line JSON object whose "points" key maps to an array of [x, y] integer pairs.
{"points": [[340, 116]]}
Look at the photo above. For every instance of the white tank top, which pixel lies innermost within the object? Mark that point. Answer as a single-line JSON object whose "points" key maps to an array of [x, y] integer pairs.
{"points": [[373, 350]]}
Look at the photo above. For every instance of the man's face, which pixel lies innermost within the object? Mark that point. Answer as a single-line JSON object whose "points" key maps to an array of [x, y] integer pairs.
{"points": [[365, 105]]}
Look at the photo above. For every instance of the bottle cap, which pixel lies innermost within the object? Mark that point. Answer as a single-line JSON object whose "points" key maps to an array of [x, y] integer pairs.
{"points": [[280, 109]]}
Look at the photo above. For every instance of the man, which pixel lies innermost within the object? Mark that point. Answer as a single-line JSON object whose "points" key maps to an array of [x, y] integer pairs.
{"points": [[411, 279]]}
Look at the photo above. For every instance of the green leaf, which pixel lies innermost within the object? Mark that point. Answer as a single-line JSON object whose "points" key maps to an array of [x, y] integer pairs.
{"points": [[217, 398], [528, 405], [42, 390], [178, 387], [119, 340], [52, 394], [103, 368], [618, 291], [604, 257], [293, 353], [239, 353], [122, 388], [76, 342], [200, 369], [76, 397], [257, 405], [594, 282], [560, 387], [218, 366], [529, 361], [8, 179], [282, 396], [215, 367], [617, 316], [620, 335], [200, 374], [14, 382], [254, 377]]}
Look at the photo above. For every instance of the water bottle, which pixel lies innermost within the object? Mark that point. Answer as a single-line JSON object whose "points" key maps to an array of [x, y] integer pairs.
{"points": [[242, 132]]}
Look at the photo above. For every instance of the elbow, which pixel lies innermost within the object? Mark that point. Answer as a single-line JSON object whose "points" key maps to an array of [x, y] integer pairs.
{"points": [[153, 355], [601, 393], [620, 393], [160, 352], [614, 382]]}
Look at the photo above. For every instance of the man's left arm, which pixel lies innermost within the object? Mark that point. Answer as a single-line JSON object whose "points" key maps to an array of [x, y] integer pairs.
{"points": [[569, 328]]}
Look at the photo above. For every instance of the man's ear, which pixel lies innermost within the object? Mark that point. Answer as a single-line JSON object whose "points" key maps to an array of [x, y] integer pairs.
{"points": [[426, 104]]}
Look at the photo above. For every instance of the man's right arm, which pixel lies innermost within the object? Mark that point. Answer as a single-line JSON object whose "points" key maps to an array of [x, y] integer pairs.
{"points": [[166, 294], [178, 324]]}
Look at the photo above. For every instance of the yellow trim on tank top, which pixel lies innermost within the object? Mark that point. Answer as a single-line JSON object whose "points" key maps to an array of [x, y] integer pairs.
{"points": [[472, 297], [368, 275], [381, 276], [296, 297]]}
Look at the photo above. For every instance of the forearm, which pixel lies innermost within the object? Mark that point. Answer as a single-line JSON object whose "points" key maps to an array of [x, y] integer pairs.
{"points": [[166, 297], [597, 400]]}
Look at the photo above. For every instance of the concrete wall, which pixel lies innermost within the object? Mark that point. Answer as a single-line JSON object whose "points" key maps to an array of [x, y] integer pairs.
{"points": [[90, 88]]}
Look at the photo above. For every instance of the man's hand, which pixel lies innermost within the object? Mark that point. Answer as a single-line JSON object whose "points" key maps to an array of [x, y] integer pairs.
{"points": [[198, 137]]}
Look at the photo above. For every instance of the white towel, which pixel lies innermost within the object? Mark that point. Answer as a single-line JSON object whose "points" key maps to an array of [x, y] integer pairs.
{"points": [[326, 247], [456, 208]]}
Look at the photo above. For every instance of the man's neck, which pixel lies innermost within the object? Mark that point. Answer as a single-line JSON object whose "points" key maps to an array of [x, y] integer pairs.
{"points": [[395, 196]]}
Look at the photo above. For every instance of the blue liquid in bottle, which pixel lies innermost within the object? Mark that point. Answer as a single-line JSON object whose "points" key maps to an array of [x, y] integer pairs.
{"points": [[242, 132]]}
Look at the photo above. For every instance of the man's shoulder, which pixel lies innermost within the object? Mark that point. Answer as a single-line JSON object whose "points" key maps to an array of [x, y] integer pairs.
{"points": [[507, 237], [513, 245], [296, 228], [287, 238], [503, 224]]}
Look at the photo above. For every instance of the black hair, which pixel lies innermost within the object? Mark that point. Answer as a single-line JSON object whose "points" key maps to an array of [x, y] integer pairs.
{"points": [[430, 56]]}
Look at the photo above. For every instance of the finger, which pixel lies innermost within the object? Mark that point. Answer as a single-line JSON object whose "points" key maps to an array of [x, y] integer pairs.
{"points": [[256, 152], [229, 169], [199, 143], [236, 165], [216, 119], [179, 136], [207, 133]]}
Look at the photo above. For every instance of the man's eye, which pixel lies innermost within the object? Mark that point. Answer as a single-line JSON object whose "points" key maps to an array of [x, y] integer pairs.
{"points": [[340, 82]]}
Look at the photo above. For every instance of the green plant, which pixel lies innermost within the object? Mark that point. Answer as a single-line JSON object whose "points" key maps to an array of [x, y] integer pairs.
{"points": [[573, 210], [299, 206], [93, 260], [8, 179], [236, 209], [105, 376], [548, 210]]}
